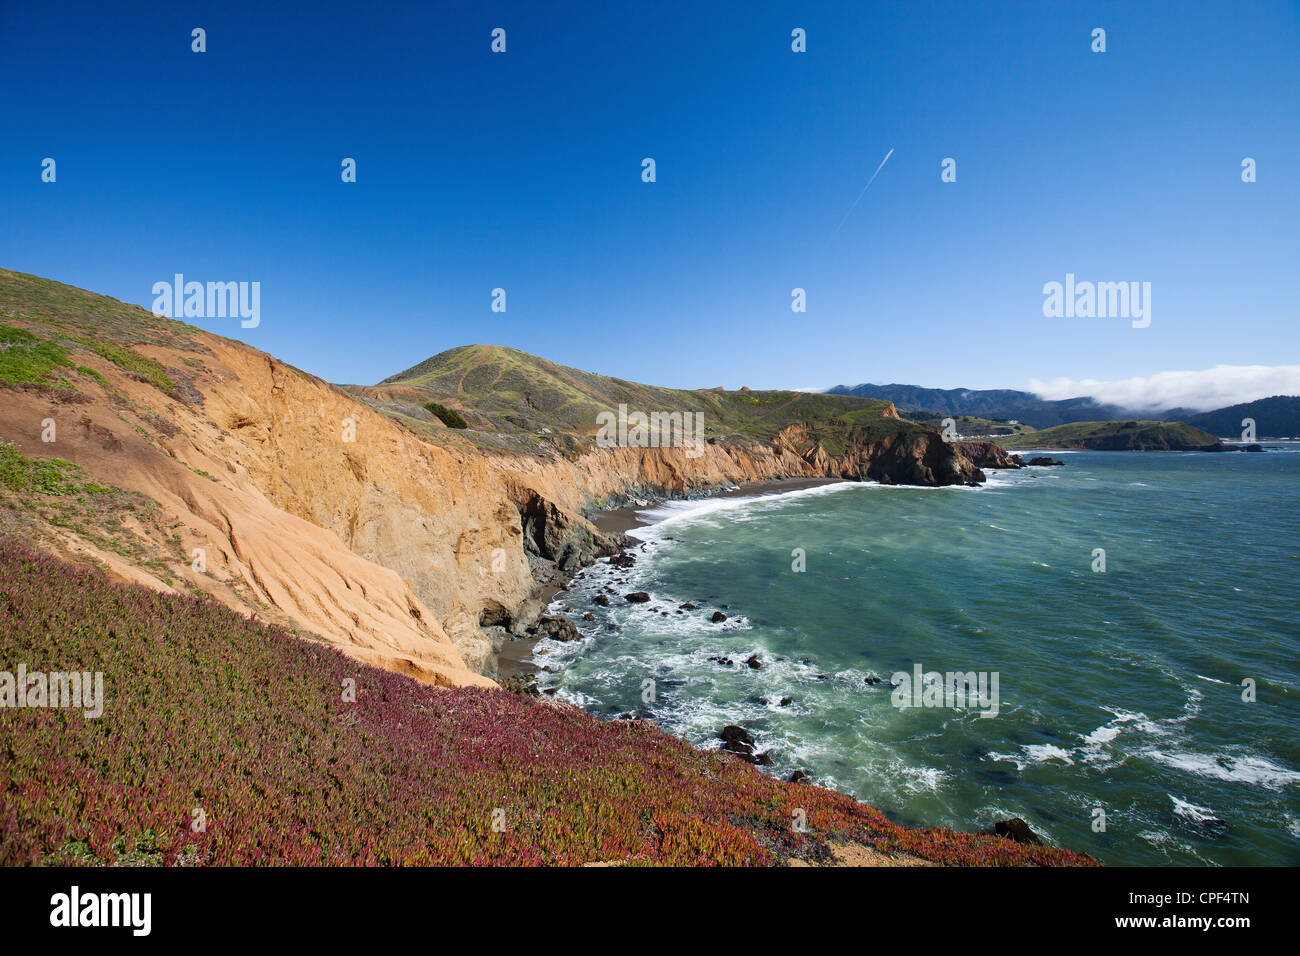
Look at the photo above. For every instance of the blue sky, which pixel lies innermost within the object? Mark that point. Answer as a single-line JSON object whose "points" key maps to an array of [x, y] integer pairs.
{"points": [[523, 171]]}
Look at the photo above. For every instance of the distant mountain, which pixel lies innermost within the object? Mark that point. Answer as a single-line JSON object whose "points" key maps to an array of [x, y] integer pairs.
{"points": [[1276, 417], [993, 403]]}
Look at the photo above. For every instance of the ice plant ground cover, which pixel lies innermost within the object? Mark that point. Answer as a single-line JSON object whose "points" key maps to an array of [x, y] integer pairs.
{"points": [[214, 718]]}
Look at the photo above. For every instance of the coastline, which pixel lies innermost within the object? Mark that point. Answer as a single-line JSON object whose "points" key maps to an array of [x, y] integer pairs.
{"points": [[628, 518], [514, 659]]}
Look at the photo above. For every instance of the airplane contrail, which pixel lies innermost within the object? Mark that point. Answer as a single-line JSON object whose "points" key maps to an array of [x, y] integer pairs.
{"points": [[865, 188]]}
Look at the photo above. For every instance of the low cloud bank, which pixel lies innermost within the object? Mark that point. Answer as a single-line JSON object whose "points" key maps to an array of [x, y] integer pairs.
{"points": [[1202, 391]]}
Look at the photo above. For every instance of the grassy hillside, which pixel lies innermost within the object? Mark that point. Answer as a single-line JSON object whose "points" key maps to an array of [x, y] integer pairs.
{"points": [[500, 389], [211, 716], [1117, 436]]}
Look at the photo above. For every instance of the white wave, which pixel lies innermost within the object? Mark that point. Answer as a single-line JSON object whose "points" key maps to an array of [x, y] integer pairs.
{"points": [[677, 510], [1191, 811], [1256, 771]]}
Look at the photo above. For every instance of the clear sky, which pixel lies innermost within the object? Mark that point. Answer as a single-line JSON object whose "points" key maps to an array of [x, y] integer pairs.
{"points": [[522, 170]]}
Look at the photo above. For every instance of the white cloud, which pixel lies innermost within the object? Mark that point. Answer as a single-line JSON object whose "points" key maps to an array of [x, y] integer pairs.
{"points": [[1204, 390]]}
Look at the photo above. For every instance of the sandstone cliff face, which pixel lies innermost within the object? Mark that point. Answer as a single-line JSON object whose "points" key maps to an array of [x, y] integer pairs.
{"points": [[435, 517], [611, 474], [305, 506]]}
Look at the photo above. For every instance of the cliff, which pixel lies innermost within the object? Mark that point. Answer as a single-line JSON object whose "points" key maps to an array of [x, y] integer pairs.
{"points": [[354, 516]]}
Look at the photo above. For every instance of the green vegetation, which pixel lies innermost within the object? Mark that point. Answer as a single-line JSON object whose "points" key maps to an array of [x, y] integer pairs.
{"points": [[1118, 436], [143, 367], [448, 416], [41, 476], [28, 359], [41, 321], [38, 494], [59, 310]]}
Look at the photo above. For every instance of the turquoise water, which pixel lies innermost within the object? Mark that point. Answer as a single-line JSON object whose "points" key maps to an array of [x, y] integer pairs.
{"points": [[1117, 690]]}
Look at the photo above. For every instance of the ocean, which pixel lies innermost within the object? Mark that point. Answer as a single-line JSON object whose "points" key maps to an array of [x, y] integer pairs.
{"points": [[1122, 724]]}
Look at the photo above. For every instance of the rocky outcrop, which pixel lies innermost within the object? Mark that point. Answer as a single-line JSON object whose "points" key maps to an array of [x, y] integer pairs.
{"points": [[1018, 830], [556, 534], [987, 454]]}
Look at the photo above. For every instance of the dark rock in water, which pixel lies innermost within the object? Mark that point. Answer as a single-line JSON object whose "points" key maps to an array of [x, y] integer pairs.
{"points": [[624, 560], [822, 677], [686, 607], [1018, 830], [753, 662], [600, 599], [787, 701], [1253, 448], [761, 760], [736, 732], [797, 777], [638, 597], [589, 616], [558, 629], [737, 740], [1042, 461], [725, 661], [718, 617], [872, 679]]}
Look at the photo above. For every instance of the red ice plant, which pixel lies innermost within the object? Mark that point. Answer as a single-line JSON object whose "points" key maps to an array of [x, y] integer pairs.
{"points": [[215, 718]]}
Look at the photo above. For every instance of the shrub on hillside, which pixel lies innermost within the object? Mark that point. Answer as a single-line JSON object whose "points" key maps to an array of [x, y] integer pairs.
{"points": [[448, 416]]}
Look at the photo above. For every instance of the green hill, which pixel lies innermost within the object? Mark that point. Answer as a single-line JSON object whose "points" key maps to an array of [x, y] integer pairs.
{"points": [[503, 390], [1118, 436]]}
